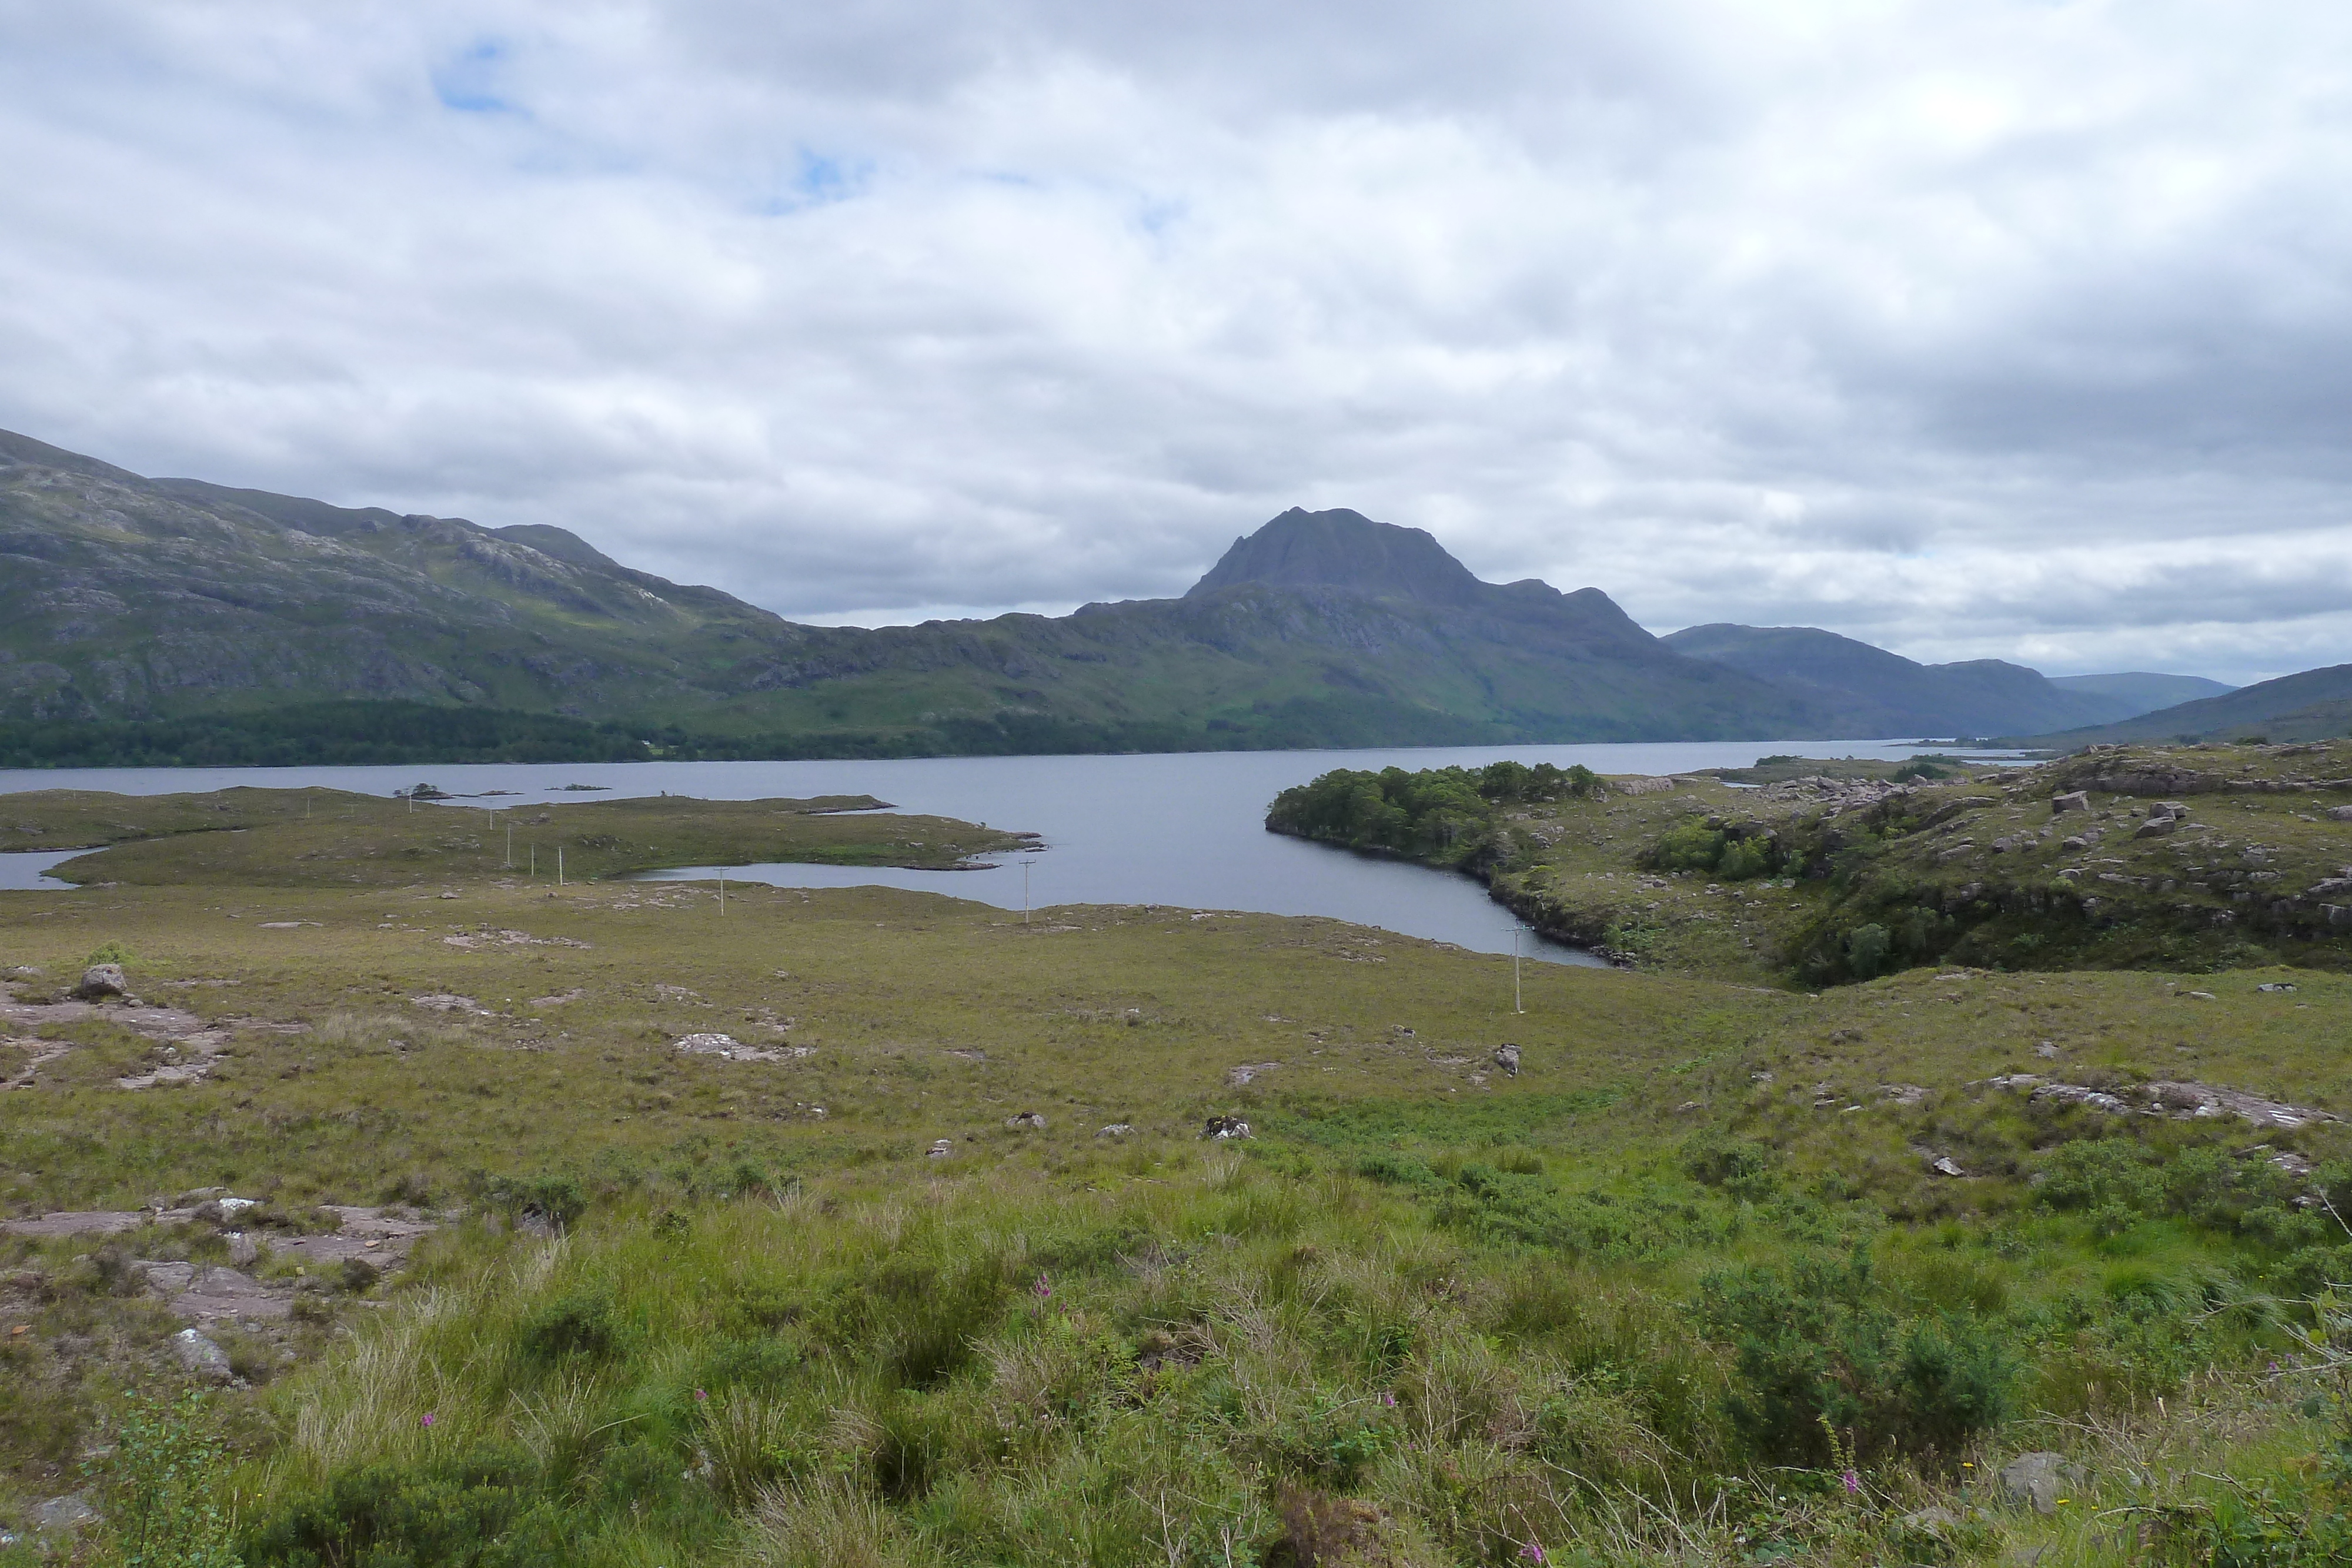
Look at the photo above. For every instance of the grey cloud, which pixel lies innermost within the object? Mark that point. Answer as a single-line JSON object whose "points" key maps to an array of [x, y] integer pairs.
{"points": [[2011, 330]]}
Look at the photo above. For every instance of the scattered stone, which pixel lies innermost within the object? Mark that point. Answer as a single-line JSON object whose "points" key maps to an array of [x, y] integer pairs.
{"points": [[2078, 800], [201, 1357], [1901, 1093], [967, 1054], [2206, 1100], [2037, 1478], [166, 1279], [2340, 813], [2155, 828], [63, 1515], [445, 1002], [2202, 996], [510, 939], [2046, 1051], [941, 1148], [726, 1048], [2276, 985], [1507, 1057], [1760, 1078], [1237, 1076], [1118, 1129], [1945, 1166], [1937, 1521], [1226, 1127], [102, 980], [1027, 1122]]}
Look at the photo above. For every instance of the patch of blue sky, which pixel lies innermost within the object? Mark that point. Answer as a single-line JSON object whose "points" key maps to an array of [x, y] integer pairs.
{"points": [[1157, 216], [819, 179], [470, 83]]}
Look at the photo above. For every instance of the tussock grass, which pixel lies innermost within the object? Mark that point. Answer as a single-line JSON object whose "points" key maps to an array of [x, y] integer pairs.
{"points": [[997, 1368]]}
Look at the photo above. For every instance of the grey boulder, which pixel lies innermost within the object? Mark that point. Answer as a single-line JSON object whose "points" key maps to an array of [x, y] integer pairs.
{"points": [[2037, 1478], [102, 980], [201, 1357], [63, 1515]]}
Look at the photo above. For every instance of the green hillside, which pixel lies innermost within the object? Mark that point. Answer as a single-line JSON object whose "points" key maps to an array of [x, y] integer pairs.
{"points": [[2311, 704], [128, 600]]}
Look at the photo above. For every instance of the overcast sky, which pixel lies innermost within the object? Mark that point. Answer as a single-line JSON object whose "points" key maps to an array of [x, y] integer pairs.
{"points": [[1994, 329]]}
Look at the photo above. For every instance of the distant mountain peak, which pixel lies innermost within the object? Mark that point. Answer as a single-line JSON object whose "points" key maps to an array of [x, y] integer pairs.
{"points": [[1344, 549]]}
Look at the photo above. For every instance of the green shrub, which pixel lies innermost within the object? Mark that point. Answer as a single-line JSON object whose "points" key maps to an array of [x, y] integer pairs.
{"points": [[163, 1483], [1718, 1159], [1693, 846], [581, 1323], [1821, 1343], [1866, 947], [471, 1510]]}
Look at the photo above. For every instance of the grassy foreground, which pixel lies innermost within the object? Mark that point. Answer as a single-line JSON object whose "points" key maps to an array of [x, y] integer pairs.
{"points": [[1689, 1286]]}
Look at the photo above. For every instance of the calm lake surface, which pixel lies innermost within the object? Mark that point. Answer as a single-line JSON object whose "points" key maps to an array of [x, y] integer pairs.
{"points": [[1184, 829]]}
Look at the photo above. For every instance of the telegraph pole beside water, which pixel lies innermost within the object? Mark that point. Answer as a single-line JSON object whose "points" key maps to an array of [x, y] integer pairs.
{"points": [[1025, 864], [1516, 929]]}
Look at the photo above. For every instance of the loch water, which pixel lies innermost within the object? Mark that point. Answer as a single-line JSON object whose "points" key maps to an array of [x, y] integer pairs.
{"points": [[1184, 829]]}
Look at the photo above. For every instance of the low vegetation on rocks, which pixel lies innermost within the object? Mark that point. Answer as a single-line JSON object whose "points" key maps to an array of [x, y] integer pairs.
{"points": [[513, 1224], [2185, 859]]}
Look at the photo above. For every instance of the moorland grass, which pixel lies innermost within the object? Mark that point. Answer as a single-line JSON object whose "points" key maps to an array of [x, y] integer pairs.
{"points": [[1643, 1300]]}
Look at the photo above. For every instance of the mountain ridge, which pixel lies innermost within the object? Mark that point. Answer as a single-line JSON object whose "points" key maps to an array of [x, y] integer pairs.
{"points": [[128, 600]]}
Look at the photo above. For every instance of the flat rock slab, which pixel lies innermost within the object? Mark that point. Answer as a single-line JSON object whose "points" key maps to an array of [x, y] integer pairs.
{"points": [[78, 1222], [510, 939], [2207, 1099], [217, 1293], [156, 1023], [368, 1233]]}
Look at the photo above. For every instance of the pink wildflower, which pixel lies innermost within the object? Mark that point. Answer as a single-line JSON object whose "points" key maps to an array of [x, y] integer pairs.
{"points": [[1852, 1484], [428, 1418], [698, 1394], [1532, 1553], [1043, 1287], [1387, 1399]]}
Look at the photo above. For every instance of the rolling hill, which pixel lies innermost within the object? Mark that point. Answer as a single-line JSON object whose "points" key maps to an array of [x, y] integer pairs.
{"points": [[2145, 691], [1870, 691], [2312, 705]]}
